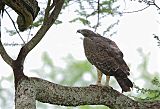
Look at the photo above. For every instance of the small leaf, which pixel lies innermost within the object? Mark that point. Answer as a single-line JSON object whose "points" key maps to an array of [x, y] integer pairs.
{"points": [[38, 23], [57, 22], [11, 32], [84, 21]]}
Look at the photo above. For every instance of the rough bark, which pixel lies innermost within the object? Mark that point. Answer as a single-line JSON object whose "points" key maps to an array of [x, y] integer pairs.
{"points": [[32, 89], [24, 90], [25, 95], [28, 90]]}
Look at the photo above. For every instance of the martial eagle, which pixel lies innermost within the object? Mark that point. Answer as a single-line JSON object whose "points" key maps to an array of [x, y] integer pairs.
{"points": [[105, 55]]}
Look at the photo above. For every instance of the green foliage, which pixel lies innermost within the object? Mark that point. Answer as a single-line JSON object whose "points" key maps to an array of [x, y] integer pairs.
{"points": [[152, 87], [10, 32], [92, 9], [156, 82], [110, 27], [47, 60], [150, 94], [82, 20], [38, 22], [6, 94], [72, 75], [86, 11], [143, 66], [57, 22], [75, 70]]}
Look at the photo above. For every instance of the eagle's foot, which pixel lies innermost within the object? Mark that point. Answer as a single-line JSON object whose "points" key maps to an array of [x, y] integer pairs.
{"points": [[97, 84], [94, 85], [108, 86]]}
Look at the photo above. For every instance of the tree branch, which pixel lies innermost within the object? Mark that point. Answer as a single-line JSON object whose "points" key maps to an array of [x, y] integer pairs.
{"points": [[3, 52], [148, 3], [153, 3], [138, 10], [25, 95], [15, 26], [98, 10], [48, 92], [41, 32], [27, 11], [54, 14], [5, 55]]}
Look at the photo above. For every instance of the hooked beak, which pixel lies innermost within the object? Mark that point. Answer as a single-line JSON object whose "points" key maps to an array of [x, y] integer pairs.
{"points": [[78, 31]]}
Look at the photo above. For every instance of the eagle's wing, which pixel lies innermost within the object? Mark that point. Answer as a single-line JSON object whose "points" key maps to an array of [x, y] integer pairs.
{"points": [[105, 55], [117, 54]]}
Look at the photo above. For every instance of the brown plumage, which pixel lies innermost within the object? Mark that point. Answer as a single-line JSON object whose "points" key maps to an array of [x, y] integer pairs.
{"points": [[105, 55]]}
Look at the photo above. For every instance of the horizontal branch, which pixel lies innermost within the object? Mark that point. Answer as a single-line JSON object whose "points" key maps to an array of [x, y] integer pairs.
{"points": [[48, 92]]}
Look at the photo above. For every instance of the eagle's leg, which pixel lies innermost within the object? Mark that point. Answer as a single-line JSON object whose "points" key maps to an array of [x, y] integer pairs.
{"points": [[99, 74], [107, 80]]}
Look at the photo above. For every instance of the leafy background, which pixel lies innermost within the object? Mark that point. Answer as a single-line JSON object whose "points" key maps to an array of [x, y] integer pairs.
{"points": [[80, 72]]}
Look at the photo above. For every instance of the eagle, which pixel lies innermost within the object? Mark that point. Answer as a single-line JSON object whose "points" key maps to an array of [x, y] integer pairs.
{"points": [[105, 55]]}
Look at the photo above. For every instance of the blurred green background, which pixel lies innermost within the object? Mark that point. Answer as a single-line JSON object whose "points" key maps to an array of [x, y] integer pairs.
{"points": [[82, 73]]}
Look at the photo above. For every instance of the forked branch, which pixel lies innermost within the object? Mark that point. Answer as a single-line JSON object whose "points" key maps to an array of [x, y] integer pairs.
{"points": [[50, 19]]}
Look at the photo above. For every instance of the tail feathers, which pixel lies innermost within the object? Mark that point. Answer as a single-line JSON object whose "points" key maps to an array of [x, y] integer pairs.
{"points": [[124, 83]]}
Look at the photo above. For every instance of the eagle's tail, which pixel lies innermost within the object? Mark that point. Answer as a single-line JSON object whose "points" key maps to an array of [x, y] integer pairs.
{"points": [[124, 83]]}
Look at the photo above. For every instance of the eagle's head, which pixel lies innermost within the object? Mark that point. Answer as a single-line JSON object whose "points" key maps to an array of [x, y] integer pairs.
{"points": [[86, 33]]}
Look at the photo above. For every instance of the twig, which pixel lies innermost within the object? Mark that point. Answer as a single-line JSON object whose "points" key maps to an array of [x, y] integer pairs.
{"points": [[137, 10], [15, 26], [51, 17], [157, 38], [149, 3], [98, 9], [29, 33], [47, 10], [153, 3], [3, 52]]}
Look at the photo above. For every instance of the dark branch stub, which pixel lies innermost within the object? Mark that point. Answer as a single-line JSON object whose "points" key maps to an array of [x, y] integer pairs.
{"points": [[27, 11], [157, 38], [30, 6]]}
